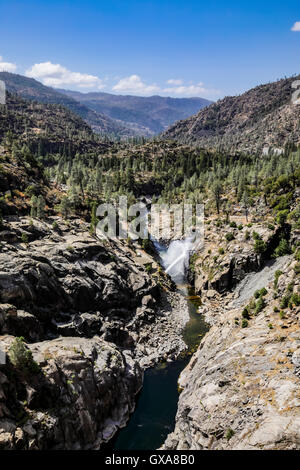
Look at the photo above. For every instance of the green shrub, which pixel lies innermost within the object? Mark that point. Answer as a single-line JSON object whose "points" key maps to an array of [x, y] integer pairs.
{"points": [[259, 246], [245, 314], [245, 323], [30, 190], [229, 434], [297, 268], [21, 357], [232, 225], [240, 227], [256, 236], [260, 293], [221, 251], [148, 268], [282, 203], [290, 287], [282, 182], [263, 292], [285, 301], [24, 238], [295, 300], [282, 249], [247, 235], [260, 305], [256, 294], [281, 217], [229, 237]]}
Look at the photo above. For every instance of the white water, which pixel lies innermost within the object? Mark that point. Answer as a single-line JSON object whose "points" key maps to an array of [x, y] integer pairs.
{"points": [[175, 258]]}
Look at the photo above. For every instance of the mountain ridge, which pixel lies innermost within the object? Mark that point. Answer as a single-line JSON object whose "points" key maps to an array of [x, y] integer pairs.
{"points": [[152, 114], [33, 90], [263, 117], [120, 115]]}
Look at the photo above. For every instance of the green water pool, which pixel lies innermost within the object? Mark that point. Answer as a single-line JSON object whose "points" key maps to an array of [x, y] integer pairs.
{"points": [[154, 415]]}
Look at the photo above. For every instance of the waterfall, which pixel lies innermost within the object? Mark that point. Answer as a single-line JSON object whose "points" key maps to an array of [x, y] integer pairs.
{"points": [[175, 258]]}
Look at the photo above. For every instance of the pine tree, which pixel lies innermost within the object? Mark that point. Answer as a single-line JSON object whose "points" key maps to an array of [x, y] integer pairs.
{"points": [[65, 207], [94, 219], [245, 203], [33, 203], [40, 209], [217, 190]]}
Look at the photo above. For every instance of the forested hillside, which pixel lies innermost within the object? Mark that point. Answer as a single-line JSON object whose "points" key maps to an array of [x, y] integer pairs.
{"points": [[262, 118], [146, 115], [91, 169], [32, 90]]}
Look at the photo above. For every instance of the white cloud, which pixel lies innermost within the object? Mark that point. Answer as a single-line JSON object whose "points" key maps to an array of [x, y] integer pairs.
{"points": [[296, 26], [135, 85], [174, 81], [197, 89], [56, 75], [7, 66]]}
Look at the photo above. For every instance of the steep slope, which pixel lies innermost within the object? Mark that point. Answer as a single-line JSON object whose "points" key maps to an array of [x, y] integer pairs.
{"points": [[49, 125], [261, 118], [33, 90], [146, 115], [241, 388], [92, 318], [80, 318]]}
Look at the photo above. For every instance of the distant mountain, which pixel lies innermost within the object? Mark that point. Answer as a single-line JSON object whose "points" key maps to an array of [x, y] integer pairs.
{"points": [[262, 118], [47, 128], [123, 116], [31, 89], [145, 115]]}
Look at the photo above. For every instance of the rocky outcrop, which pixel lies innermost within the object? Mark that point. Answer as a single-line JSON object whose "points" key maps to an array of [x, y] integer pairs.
{"points": [[94, 318], [223, 263], [83, 392], [241, 388]]}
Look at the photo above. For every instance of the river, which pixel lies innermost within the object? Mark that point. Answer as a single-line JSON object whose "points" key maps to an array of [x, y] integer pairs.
{"points": [[154, 415]]}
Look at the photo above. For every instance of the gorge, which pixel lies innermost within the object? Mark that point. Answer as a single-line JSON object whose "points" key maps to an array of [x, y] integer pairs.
{"points": [[131, 343], [154, 416]]}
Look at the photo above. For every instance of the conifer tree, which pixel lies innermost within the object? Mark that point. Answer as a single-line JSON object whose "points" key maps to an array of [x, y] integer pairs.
{"points": [[217, 190], [40, 207], [33, 203]]}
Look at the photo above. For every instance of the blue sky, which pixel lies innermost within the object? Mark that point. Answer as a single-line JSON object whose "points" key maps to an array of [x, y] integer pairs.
{"points": [[167, 47]]}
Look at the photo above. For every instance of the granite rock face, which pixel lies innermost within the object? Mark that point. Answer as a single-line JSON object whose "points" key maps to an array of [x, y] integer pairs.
{"points": [[84, 391], [241, 388], [94, 319], [222, 264]]}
